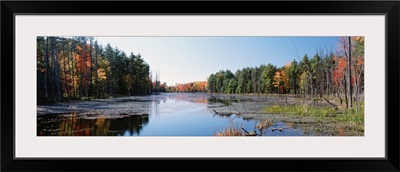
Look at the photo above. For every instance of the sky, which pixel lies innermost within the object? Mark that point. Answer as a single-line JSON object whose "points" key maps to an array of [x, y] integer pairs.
{"points": [[189, 59]]}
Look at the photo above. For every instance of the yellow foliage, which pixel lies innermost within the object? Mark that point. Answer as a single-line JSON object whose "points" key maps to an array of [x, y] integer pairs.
{"points": [[277, 79], [101, 74]]}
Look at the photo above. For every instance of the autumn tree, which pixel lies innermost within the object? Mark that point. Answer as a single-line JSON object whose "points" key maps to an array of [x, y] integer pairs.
{"points": [[74, 68]]}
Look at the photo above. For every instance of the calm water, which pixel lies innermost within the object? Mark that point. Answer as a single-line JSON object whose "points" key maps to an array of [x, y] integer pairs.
{"points": [[170, 114]]}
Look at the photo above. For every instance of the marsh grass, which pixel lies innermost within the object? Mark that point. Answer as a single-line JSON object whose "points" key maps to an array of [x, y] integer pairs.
{"points": [[232, 130], [301, 110], [355, 119], [352, 118], [236, 130]]}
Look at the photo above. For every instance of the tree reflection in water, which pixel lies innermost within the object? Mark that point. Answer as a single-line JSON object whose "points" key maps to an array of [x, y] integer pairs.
{"points": [[54, 125]]}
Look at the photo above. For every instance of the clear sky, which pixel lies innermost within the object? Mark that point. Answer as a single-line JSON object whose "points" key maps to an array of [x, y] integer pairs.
{"points": [[188, 59]]}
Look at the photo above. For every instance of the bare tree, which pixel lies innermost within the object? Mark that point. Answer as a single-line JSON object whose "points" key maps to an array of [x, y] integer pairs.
{"points": [[349, 74]]}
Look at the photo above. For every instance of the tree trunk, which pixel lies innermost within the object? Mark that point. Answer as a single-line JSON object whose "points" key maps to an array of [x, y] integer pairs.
{"points": [[91, 68], [65, 73], [81, 74], [110, 75], [56, 76], [332, 81], [96, 77], [345, 93], [52, 69], [46, 65], [349, 89], [85, 68], [72, 69], [327, 82]]}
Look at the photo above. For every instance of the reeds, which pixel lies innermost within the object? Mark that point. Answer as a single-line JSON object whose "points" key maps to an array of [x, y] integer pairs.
{"points": [[235, 130], [232, 130]]}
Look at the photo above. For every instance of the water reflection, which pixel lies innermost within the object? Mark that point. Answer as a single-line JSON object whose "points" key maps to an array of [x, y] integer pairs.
{"points": [[51, 125], [189, 97], [226, 102], [171, 114]]}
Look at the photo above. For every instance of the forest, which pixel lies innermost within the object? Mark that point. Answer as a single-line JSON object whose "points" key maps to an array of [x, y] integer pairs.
{"points": [[327, 74], [79, 68]]}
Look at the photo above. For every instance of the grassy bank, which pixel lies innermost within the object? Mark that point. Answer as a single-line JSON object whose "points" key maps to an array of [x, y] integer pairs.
{"points": [[353, 117]]}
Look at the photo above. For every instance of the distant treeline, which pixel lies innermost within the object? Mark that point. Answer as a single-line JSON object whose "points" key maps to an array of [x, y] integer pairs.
{"points": [[199, 86], [78, 67], [326, 74]]}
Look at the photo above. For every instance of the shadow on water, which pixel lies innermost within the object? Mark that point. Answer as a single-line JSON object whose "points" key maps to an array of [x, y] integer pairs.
{"points": [[55, 125]]}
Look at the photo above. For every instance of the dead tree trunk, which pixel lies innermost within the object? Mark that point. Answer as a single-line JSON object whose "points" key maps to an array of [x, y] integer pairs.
{"points": [[349, 74], [334, 106]]}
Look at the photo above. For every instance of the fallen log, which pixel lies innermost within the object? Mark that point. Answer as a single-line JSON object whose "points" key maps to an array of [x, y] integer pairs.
{"points": [[250, 134], [215, 111], [334, 106]]}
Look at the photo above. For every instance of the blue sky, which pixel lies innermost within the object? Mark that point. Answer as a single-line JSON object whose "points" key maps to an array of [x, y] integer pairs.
{"points": [[188, 59]]}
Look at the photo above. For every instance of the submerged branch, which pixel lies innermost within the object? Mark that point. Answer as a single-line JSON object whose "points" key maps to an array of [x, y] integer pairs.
{"points": [[250, 134], [234, 108]]}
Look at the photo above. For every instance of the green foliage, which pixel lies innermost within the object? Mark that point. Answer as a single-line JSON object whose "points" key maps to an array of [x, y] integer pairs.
{"points": [[292, 73], [211, 83], [231, 86], [353, 116], [267, 75]]}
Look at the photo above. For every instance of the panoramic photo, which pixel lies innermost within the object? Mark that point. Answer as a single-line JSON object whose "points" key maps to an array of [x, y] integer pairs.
{"points": [[200, 86]]}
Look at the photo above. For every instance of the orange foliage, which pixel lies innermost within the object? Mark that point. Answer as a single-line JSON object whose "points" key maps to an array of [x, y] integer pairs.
{"points": [[280, 81], [83, 62], [198, 86], [339, 72], [357, 38]]}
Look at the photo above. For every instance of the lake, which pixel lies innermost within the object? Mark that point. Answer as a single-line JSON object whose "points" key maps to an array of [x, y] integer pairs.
{"points": [[169, 114]]}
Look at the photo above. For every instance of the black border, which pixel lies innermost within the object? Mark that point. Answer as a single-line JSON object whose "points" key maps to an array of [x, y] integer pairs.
{"points": [[10, 8]]}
